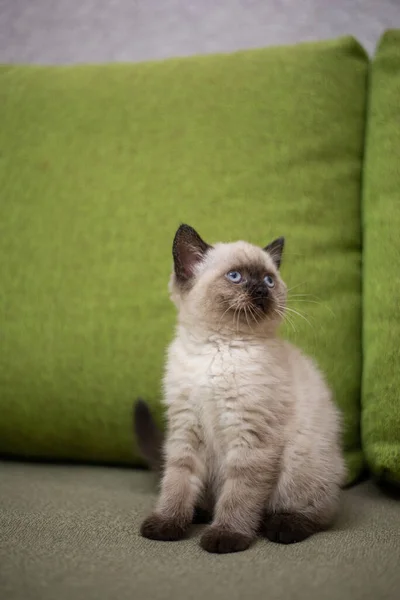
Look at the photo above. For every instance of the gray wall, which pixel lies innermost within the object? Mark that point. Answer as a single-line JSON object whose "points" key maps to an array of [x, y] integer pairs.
{"points": [[68, 31]]}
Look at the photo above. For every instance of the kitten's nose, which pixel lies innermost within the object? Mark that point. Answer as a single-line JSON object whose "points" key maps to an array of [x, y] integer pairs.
{"points": [[259, 295]]}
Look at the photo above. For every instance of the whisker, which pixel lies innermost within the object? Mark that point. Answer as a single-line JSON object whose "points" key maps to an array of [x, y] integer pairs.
{"points": [[238, 320], [230, 307], [234, 319], [291, 322], [247, 320], [285, 317], [299, 314], [253, 313], [304, 294], [296, 286], [328, 308], [253, 318]]}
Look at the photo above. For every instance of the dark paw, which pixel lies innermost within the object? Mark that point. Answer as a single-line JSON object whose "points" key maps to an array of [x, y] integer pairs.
{"points": [[288, 528], [222, 541], [156, 527]]}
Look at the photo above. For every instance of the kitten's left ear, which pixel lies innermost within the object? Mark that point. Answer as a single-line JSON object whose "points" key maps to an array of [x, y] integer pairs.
{"points": [[275, 250]]}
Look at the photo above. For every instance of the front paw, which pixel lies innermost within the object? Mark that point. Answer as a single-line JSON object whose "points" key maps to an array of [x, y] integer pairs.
{"points": [[158, 527], [223, 541]]}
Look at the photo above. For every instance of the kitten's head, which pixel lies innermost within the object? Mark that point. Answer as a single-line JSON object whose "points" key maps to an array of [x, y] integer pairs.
{"points": [[232, 286]]}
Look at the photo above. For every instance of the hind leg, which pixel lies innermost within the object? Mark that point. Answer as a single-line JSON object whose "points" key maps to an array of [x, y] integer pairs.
{"points": [[306, 496], [295, 513], [290, 527]]}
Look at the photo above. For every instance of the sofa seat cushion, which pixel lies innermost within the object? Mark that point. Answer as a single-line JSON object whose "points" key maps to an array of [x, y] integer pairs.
{"points": [[72, 532]]}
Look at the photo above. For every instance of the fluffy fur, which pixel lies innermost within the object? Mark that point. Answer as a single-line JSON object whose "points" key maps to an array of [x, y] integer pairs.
{"points": [[253, 436]]}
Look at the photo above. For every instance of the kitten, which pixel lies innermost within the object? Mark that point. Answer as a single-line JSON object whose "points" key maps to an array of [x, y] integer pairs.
{"points": [[253, 436]]}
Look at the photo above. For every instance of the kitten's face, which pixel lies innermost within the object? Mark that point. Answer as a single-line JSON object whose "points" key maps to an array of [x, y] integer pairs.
{"points": [[235, 286]]}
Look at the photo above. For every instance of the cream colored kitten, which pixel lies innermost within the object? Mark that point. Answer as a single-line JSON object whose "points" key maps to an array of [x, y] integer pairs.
{"points": [[253, 436]]}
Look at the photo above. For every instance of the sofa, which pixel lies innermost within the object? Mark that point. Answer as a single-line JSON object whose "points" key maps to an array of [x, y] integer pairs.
{"points": [[99, 164]]}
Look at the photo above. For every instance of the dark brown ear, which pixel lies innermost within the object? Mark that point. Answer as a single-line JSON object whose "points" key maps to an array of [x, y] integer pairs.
{"points": [[275, 250], [188, 250]]}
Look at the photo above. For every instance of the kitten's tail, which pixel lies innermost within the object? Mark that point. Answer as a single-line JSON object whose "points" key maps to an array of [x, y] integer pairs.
{"points": [[149, 437]]}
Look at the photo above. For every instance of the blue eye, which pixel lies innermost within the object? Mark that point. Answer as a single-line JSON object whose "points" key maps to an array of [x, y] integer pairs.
{"points": [[234, 276], [269, 281]]}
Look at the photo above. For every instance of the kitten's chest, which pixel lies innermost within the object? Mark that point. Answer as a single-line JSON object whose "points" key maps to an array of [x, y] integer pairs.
{"points": [[211, 370], [214, 381], [216, 400]]}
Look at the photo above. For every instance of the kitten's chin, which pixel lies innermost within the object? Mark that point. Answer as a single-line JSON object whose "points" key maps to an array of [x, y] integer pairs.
{"points": [[250, 317]]}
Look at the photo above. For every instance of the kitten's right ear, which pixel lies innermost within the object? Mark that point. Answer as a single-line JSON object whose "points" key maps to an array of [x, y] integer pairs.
{"points": [[275, 250], [188, 250]]}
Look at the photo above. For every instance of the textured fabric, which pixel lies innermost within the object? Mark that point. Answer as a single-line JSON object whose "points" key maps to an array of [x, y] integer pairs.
{"points": [[381, 216], [100, 165], [72, 532]]}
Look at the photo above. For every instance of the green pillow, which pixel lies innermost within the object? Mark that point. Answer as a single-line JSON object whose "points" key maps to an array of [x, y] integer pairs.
{"points": [[100, 164], [381, 216]]}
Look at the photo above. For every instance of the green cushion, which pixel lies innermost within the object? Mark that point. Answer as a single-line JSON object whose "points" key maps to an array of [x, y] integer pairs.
{"points": [[381, 214], [99, 166]]}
